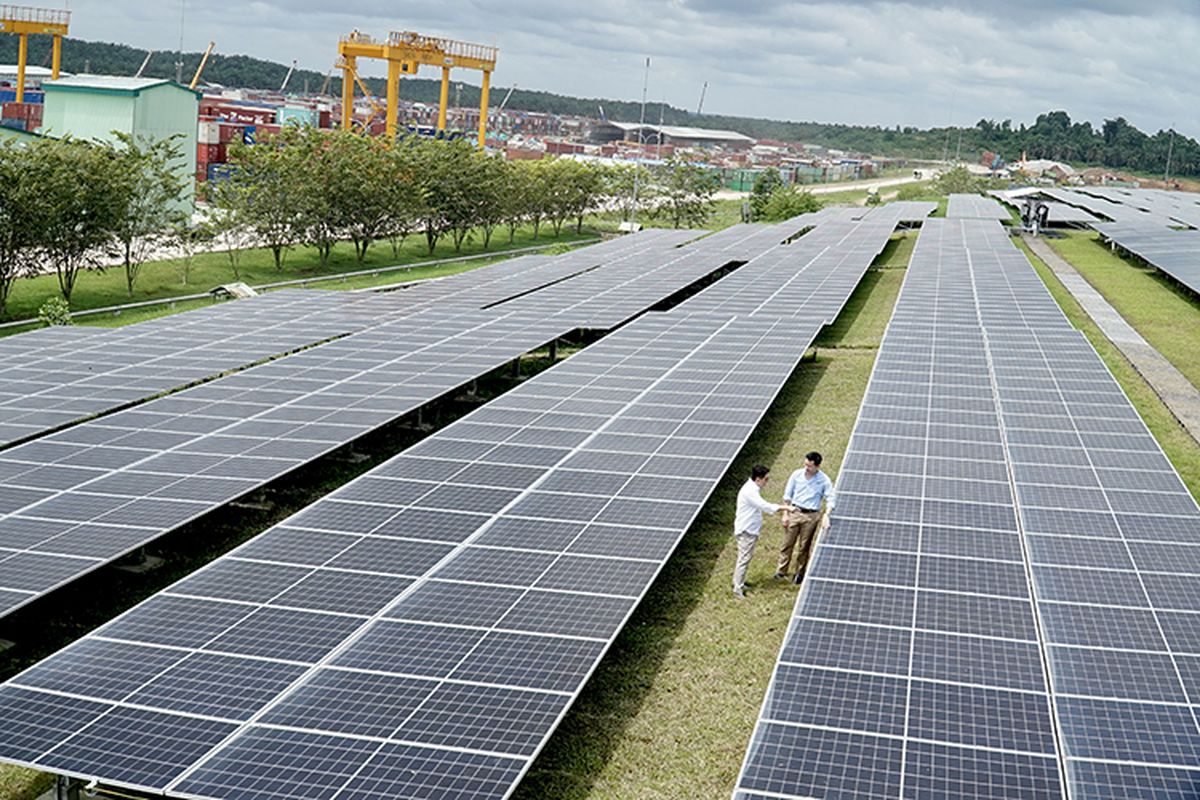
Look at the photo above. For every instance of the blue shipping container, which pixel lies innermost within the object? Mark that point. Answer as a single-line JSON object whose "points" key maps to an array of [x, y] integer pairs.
{"points": [[219, 172]]}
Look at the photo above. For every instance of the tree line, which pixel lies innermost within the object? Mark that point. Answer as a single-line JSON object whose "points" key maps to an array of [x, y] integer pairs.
{"points": [[1115, 144], [69, 206], [315, 188]]}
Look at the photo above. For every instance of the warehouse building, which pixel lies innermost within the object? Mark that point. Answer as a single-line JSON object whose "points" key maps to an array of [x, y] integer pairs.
{"points": [[149, 109], [607, 131]]}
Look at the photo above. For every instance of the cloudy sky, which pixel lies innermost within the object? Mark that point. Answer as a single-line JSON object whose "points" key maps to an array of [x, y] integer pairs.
{"points": [[855, 61]]}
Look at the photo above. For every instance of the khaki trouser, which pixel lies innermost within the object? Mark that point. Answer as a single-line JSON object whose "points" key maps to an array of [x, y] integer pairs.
{"points": [[798, 526], [745, 543]]}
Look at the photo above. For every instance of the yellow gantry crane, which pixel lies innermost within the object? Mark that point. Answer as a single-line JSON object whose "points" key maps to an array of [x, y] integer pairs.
{"points": [[404, 53], [25, 21]]}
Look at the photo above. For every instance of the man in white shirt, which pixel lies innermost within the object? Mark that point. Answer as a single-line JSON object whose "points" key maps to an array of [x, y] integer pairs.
{"points": [[802, 499], [747, 524]]}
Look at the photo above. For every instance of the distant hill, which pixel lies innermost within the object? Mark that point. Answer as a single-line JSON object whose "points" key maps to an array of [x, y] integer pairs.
{"points": [[1116, 144]]}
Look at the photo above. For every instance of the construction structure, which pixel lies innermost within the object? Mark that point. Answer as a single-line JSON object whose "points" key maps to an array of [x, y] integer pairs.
{"points": [[25, 21], [405, 52]]}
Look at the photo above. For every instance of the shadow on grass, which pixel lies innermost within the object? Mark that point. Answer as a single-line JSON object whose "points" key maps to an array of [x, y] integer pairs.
{"points": [[598, 722]]}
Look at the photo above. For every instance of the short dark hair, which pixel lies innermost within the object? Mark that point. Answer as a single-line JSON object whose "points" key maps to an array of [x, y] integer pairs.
{"points": [[814, 457], [758, 471]]}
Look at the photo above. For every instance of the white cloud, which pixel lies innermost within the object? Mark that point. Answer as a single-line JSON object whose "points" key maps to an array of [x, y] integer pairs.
{"points": [[855, 61]]}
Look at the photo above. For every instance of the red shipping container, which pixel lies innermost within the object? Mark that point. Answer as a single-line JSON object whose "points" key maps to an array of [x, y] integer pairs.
{"points": [[231, 131], [210, 154]]}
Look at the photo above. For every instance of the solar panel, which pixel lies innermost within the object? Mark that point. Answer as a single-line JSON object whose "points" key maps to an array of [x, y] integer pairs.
{"points": [[974, 206], [443, 609], [1058, 213], [979, 622], [815, 273], [1176, 253]]}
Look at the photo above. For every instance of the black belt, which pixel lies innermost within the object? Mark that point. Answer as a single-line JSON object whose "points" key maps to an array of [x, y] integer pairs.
{"points": [[807, 510]]}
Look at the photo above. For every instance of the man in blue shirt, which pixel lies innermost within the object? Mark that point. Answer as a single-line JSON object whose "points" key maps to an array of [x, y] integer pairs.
{"points": [[802, 499]]}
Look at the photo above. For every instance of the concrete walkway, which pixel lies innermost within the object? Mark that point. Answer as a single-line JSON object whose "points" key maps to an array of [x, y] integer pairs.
{"points": [[1179, 395]]}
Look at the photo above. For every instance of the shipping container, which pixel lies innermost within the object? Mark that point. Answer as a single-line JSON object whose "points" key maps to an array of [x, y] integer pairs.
{"points": [[209, 132], [300, 117], [210, 154], [230, 131], [219, 172]]}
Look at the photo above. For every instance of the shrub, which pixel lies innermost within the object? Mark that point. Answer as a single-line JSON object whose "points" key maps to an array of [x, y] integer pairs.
{"points": [[55, 311]]}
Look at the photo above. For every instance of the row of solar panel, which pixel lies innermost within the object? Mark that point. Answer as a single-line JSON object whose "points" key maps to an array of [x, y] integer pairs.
{"points": [[1176, 253], [918, 621], [53, 377]]}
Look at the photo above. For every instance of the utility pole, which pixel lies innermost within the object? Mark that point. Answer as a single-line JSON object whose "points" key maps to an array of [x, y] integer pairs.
{"points": [[637, 168], [703, 91], [179, 58], [1170, 150]]}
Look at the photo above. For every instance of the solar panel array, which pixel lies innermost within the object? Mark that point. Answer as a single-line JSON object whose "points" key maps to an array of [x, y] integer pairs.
{"points": [[1107, 209], [607, 298], [421, 631], [1059, 213], [75, 500], [1002, 607], [1178, 207], [975, 206], [487, 286], [817, 272], [1177, 253], [51, 379]]}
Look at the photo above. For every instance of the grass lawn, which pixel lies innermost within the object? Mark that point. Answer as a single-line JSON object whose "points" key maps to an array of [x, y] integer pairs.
{"points": [[161, 279], [1180, 447], [1167, 315], [670, 710]]}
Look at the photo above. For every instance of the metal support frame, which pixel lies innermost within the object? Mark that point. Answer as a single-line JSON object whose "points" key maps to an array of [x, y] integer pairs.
{"points": [[444, 99], [405, 53], [25, 21], [483, 107]]}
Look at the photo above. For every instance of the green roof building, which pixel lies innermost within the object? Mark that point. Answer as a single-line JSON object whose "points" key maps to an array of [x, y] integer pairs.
{"points": [[94, 106]]}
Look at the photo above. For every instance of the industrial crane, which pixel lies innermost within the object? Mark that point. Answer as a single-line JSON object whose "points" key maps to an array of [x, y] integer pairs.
{"points": [[405, 52], [25, 21], [200, 69]]}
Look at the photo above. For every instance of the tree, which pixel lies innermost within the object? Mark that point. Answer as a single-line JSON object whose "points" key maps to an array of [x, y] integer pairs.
{"points": [[17, 225], [149, 194], [188, 239], [491, 181], [322, 185], [75, 202], [401, 187], [686, 192], [958, 181], [764, 186], [790, 201], [263, 190], [516, 198]]}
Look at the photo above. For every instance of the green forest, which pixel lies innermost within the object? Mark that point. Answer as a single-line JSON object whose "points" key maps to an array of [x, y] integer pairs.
{"points": [[1115, 143]]}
